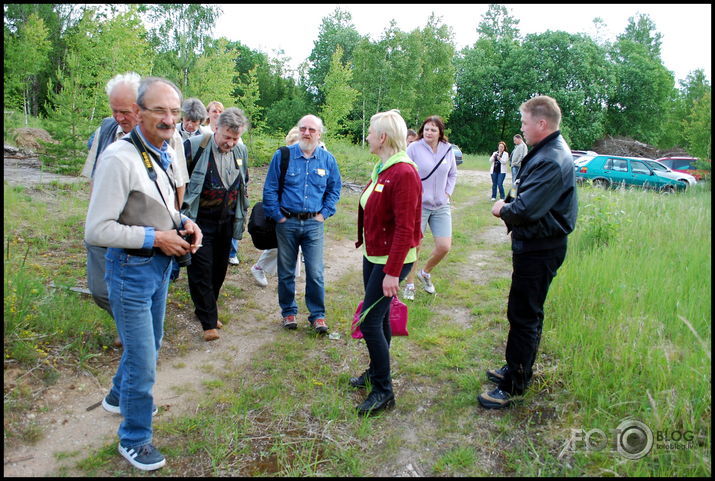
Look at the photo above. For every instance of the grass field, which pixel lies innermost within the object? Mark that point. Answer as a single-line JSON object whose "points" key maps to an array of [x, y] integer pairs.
{"points": [[627, 335]]}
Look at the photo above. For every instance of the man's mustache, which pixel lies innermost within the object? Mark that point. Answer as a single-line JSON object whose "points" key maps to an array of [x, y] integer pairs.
{"points": [[162, 125]]}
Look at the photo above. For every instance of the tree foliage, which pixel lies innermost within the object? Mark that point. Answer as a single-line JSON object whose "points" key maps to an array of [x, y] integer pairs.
{"points": [[213, 75], [339, 95], [336, 30], [26, 55]]}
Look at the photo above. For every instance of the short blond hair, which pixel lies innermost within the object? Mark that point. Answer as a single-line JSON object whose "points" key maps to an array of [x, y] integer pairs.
{"points": [[543, 107], [393, 126], [293, 136]]}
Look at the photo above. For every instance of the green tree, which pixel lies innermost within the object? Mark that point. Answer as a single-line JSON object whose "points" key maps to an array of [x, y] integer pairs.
{"points": [[571, 68], [641, 91], [67, 117], [336, 30], [26, 55], [248, 101], [498, 24], [697, 127], [105, 46], [435, 56], [179, 37], [339, 96], [641, 30], [213, 76]]}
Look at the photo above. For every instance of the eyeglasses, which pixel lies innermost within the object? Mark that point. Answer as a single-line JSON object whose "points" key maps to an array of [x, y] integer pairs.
{"points": [[176, 113], [309, 129]]}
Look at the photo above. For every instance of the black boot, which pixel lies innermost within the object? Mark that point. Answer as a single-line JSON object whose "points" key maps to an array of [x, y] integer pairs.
{"points": [[375, 402], [360, 381]]}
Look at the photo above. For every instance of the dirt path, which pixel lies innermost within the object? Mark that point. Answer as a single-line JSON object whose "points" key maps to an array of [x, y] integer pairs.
{"points": [[71, 431]]}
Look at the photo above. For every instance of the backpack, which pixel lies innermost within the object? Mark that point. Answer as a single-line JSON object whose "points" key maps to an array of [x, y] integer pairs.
{"points": [[261, 228]]}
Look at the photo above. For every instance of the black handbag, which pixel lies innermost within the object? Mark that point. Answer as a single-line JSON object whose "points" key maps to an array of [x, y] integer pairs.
{"points": [[261, 228]]}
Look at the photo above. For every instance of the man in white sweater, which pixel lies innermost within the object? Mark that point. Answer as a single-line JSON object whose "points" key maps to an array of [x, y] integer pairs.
{"points": [[133, 211]]}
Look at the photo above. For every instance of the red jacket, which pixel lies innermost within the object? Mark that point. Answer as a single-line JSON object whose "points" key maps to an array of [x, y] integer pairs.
{"points": [[392, 217]]}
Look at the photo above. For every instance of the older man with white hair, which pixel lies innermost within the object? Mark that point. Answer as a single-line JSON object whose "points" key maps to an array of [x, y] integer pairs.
{"points": [[310, 194]]}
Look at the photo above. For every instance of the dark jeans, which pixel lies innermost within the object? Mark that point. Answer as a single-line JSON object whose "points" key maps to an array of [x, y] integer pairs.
{"points": [[498, 181], [376, 325], [530, 281], [208, 270]]}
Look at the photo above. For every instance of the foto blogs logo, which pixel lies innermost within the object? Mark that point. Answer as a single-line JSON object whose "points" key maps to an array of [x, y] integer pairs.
{"points": [[631, 439]]}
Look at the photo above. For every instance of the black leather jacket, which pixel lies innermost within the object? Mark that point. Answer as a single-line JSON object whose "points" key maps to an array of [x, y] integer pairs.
{"points": [[543, 210]]}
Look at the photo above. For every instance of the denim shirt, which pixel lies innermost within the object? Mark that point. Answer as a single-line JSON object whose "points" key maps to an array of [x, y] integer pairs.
{"points": [[311, 184]]}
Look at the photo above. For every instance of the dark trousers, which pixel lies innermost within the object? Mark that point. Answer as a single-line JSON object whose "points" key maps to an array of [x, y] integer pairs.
{"points": [[208, 270], [530, 281], [375, 326]]}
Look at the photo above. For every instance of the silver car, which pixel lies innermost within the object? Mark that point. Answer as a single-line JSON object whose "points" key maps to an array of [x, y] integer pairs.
{"points": [[664, 171]]}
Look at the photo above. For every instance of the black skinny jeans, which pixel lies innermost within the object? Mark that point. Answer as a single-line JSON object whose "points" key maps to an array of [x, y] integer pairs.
{"points": [[376, 325], [530, 281]]}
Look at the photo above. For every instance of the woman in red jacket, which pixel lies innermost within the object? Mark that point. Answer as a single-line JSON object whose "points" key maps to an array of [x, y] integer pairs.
{"points": [[389, 218]]}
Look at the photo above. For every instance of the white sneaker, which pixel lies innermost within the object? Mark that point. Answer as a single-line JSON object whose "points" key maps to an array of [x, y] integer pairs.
{"points": [[409, 292], [259, 275], [426, 281], [233, 260], [493, 199]]}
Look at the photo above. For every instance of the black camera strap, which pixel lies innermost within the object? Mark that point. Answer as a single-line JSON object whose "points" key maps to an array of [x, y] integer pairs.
{"points": [[146, 160]]}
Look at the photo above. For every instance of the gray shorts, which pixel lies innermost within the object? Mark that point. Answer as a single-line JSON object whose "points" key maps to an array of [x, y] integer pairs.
{"points": [[440, 221]]}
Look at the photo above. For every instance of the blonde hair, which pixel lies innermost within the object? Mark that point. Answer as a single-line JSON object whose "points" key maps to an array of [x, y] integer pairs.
{"points": [[293, 136], [393, 126], [214, 103], [543, 107]]}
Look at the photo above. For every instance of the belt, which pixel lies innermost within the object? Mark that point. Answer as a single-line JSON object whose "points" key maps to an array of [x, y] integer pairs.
{"points": [[299, 215], [143, 252]]}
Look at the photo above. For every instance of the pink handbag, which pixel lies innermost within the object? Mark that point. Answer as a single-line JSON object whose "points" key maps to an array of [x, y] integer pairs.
{"points": [[398, 319]]}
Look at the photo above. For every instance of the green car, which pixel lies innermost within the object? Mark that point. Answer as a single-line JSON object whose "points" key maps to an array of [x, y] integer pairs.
{"points": [[617, 171]]}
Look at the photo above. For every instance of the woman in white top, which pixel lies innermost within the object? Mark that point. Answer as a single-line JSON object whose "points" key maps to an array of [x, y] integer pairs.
{"points": [[497, 169]]}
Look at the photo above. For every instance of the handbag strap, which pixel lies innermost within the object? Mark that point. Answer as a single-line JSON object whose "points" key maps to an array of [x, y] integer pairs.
{"points": [[437, 164]]}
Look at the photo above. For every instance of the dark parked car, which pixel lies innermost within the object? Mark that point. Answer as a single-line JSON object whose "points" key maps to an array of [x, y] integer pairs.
{"points": [[683, 164], [616, 171], [457, 154]]}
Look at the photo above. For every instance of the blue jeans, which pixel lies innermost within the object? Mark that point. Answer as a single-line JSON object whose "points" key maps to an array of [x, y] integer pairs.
{"points": [[234, 248], [514, 171], [498, 181], [138, 287], [308, 234]]}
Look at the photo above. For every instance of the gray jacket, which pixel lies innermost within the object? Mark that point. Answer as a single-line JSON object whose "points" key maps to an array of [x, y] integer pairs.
{"points": [[190, 207], [518, 154]]}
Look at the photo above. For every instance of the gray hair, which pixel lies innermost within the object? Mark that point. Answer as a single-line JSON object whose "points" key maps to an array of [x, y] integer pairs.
{"points": [[147, 82], [233, 119], [130, 79], [193, 109], [317, 119]]}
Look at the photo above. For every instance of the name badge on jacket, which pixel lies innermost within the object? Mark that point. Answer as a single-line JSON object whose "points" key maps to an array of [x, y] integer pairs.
{"points": [[379, 187]]}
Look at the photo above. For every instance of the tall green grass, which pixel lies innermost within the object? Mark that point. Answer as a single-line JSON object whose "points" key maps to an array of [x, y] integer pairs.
{"points": [[629, 317]]}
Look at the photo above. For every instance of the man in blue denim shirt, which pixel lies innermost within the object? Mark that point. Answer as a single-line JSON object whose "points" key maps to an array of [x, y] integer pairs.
{"points": [[310, 194]]}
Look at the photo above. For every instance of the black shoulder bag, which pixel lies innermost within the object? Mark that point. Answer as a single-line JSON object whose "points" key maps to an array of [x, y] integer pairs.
{"points": [[262, 228], [437, 164]]}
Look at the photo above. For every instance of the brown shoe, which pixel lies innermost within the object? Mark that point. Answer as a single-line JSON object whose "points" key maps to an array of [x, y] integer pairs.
{"points": [[117, 342], [219, 324], [210, 335]]}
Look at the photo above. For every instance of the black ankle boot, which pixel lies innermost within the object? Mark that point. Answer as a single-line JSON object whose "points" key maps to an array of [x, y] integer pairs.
{"points": [[375, 402], [360, 381]]}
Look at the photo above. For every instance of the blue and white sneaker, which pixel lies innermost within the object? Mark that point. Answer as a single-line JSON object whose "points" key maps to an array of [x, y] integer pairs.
{"points": [[146, 457], [111, 404]]}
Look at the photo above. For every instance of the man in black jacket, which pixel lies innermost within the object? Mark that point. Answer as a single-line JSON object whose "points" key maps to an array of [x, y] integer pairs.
{"points": [[540, 213]]}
